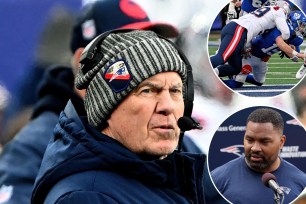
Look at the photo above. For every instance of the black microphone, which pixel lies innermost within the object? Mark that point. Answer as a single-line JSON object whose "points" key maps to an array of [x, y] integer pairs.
{"points": [[187, 123], [269, 180]]}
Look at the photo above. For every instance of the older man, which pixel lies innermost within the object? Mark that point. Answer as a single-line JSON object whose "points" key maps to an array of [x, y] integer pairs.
{"points": [[135, 87]]}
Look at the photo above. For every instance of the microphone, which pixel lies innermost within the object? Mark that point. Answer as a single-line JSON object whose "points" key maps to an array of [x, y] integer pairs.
{"points": [[187, 123], [269, 180]]}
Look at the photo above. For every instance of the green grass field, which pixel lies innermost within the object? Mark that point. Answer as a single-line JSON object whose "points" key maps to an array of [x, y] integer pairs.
{"points": [[281, 71]]}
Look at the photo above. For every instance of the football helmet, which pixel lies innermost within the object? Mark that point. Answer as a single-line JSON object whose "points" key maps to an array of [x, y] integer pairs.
{"points": [[284, 5], [298, 22]]}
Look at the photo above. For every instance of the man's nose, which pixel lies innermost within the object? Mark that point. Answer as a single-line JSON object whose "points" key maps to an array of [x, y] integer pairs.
{"points": [[165, 103]]}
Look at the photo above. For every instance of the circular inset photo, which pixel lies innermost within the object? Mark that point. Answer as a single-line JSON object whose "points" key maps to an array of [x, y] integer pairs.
{"points": [[258, 155], [256, 47]]}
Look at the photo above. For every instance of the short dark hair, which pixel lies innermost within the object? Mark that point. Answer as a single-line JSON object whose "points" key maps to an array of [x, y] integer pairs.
{"points": [[267, 115]]}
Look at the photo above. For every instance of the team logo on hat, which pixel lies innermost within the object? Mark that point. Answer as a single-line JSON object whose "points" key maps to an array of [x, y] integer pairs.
{"points": [[118, 75], [89, 29]]}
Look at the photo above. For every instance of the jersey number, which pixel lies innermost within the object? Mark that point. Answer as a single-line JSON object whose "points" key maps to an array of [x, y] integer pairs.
{"points": [[261, 11], [270, 50]]}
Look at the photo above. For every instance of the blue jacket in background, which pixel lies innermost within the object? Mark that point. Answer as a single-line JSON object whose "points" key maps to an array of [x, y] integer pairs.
{"points": [[82, 165], [21, 157]]}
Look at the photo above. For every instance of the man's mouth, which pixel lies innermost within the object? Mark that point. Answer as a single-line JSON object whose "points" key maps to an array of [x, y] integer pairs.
{"points": [[256, 158]]}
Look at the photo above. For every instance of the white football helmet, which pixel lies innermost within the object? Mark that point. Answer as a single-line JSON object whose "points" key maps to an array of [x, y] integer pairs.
{"points": [[284, 5]]}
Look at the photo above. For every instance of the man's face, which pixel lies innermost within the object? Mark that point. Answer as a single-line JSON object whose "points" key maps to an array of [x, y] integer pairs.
{"points": [[302, 28], [146, 120], [262, 144]]}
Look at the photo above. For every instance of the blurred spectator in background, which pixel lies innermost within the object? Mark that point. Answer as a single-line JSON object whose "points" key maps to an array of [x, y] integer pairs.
{"points": [[22, 24], [4, 97], [23, 150], [53, 48], [232, 11], [181, 11], [298, 94], [21, 158]]}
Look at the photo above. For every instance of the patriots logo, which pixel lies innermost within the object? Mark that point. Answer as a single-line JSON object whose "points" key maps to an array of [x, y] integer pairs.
{"points": [[293, 122], [234, 149], [89, 29], [118, 75], [5, 193]]}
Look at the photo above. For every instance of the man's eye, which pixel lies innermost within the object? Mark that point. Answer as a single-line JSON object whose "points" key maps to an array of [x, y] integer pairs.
{"points": [[146, 91], [175, 91], [265, 141], [249, 140]]}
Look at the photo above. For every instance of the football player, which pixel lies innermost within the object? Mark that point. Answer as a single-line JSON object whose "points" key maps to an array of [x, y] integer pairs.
{"points": [[264, 46], [300, 28], [238, 33]]}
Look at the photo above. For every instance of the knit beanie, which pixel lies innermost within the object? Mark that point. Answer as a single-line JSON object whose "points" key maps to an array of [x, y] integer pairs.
{"points": [[127, 59]]}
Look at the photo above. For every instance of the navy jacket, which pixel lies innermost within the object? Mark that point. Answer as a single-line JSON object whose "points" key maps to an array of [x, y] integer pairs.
{"points": [[21, 158], [81, 165]]}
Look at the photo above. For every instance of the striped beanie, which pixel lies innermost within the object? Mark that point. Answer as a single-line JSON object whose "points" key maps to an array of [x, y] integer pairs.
{"points": [[128, 59]]}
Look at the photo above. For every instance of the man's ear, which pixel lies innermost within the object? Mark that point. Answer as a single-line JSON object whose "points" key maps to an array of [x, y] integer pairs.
{"points": [[77, 53], [76, 59], [75, 66], [283, 140]]}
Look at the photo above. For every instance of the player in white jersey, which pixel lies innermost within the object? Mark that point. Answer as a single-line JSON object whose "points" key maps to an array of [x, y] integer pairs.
{"points": [[263, 19]]}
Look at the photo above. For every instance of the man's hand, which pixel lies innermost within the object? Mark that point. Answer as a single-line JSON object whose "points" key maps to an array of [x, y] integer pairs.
{"points": [[294, 58], [282, 53]]}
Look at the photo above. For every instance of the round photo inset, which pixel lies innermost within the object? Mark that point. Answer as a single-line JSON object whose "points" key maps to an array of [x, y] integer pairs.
{"points": [[257, 49], [258, 155]]}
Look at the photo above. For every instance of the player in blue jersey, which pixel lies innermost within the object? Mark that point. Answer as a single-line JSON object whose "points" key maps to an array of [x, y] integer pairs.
{"points": [[264, 46], [301, 25], [240, 180]]}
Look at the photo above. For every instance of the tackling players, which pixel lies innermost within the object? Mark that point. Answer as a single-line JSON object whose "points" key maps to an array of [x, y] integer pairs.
{"points": [[238, 33], [267, 44]]}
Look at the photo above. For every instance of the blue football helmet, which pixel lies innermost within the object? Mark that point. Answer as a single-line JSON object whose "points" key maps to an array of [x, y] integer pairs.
{"points": [[298, 22]]}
